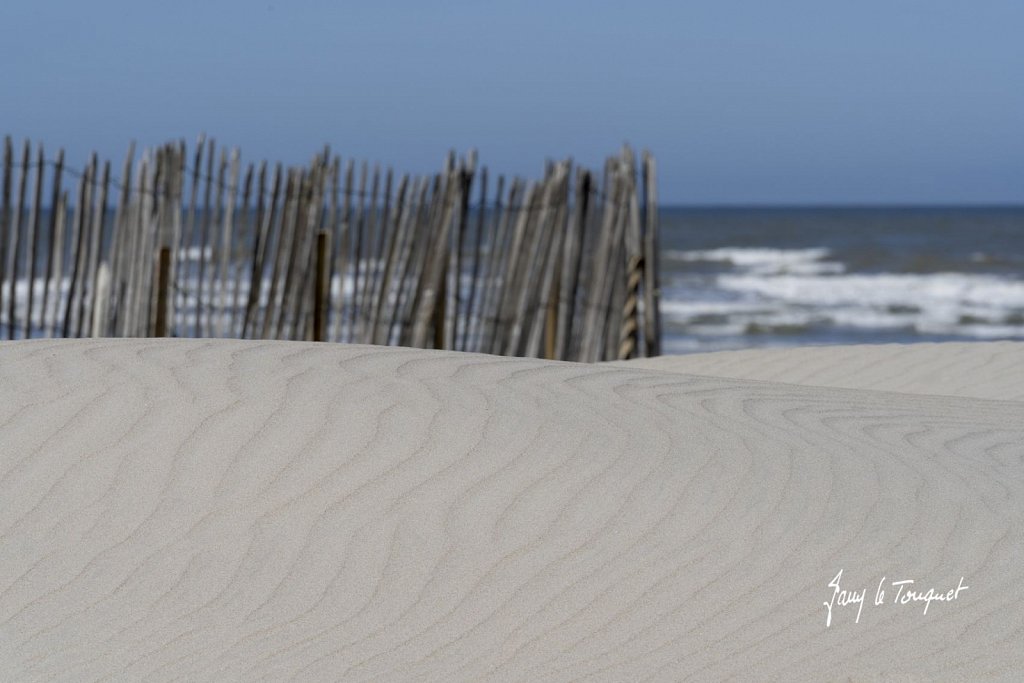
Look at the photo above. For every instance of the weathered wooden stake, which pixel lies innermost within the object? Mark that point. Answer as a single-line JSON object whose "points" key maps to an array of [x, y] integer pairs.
{"points": [[58, 172], [162, 286], [652, 295], [19, 209], [33, 244], [323, 283]]}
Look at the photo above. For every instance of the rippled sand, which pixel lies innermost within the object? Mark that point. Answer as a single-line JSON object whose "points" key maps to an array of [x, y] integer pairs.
{"points": [[228, 510]]}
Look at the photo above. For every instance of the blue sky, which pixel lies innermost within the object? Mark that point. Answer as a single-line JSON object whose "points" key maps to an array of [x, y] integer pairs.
{"points": [[894, 101]]}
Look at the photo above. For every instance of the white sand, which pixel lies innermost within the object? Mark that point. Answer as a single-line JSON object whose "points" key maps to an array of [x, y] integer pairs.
{"points": [[216, 511], [973, 369]]}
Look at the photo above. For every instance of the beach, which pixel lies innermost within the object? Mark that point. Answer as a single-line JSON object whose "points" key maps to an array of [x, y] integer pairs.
{"points": [[241, 510], [499, 342]]}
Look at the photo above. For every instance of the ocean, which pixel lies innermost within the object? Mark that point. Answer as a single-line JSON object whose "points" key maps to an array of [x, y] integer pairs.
{"points": [[757, 277]]}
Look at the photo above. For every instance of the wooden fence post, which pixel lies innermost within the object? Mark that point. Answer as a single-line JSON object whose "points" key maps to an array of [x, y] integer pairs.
{"points": [[19, 208], [34, 221], [58, 171], [322, 291], [162, 285], [652, 294]]}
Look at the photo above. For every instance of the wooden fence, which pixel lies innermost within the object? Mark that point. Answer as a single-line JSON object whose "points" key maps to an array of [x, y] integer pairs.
{"points": [[193, 245]]}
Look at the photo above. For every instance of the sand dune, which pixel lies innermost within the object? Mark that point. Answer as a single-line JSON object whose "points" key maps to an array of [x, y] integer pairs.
{"points": [[972, 369], [199, 510]]}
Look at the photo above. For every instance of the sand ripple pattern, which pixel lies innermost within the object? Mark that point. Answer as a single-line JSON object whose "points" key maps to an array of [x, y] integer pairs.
{"points": [[227, 510], [971, 369]]}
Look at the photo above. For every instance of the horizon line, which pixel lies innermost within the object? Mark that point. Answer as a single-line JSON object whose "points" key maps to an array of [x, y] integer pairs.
{"points": [[760, 205]]}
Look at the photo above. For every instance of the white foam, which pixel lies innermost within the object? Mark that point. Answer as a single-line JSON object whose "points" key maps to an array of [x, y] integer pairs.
{"points": [[685, 310], [196, 254], [963, 304], [764, 260], [950, 289]]}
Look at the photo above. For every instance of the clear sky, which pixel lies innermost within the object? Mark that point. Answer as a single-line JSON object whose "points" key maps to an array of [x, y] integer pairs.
{"points": [[756, 101]]}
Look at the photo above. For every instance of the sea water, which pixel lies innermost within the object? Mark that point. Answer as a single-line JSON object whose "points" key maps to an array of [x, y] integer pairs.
{"points": [[755, 277]]}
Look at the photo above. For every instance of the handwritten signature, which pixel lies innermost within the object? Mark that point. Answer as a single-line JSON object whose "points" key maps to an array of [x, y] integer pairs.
{"points": [[906, 592]]}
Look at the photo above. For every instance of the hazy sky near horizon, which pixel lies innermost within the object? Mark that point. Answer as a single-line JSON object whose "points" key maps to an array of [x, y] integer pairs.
{"points": [[876, 101]]}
